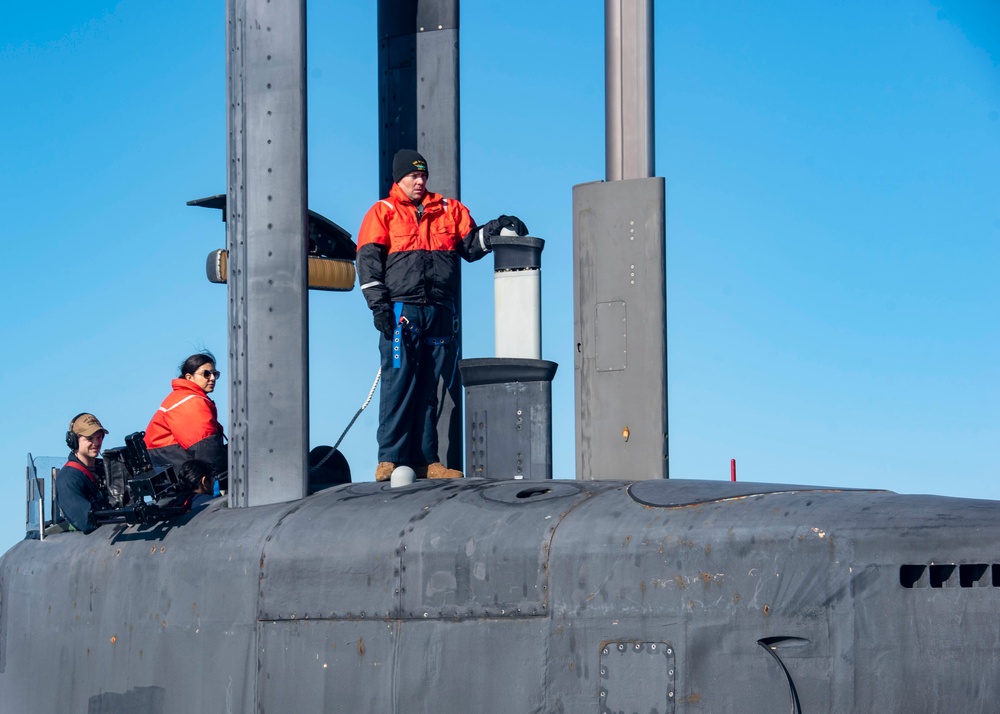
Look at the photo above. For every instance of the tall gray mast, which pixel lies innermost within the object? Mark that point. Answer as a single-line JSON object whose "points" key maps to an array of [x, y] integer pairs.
{"points": [[628, 80], [418, 88], [266, 238], [619, 272]]}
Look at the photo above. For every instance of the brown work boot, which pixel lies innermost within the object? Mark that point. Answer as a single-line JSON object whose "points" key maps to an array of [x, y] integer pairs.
{"points": [[438, 470], [384, 470]]}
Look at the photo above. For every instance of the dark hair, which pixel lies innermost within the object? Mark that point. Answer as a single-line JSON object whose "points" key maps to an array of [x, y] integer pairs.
{"points": [[193, 471], [192, 363]]}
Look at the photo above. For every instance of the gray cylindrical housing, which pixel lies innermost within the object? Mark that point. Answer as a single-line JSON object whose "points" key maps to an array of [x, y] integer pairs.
{"points": [[508, 407], [517, 296]]}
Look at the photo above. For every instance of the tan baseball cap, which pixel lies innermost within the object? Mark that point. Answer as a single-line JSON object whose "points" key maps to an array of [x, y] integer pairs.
{"points": [[86, 425]]}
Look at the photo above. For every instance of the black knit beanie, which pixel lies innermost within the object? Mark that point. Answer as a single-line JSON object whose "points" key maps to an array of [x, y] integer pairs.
{"points": [[406, 161]]}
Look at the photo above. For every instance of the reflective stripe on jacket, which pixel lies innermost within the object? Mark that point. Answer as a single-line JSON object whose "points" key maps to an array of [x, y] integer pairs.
{"points": [[186, 426]]}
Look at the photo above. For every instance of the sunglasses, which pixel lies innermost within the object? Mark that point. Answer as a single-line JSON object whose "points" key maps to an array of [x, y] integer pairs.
{"points": [[209, 373]]}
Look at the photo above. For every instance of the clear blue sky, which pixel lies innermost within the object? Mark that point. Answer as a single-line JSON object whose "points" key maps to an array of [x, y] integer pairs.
{"points": [[833, 222]]}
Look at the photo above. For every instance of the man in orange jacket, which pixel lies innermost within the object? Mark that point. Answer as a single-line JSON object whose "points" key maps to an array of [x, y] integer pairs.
{"points": [[409, 246]]}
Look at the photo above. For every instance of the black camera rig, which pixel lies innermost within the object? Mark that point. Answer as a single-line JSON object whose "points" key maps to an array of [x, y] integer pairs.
{"points": [[138, 491]]}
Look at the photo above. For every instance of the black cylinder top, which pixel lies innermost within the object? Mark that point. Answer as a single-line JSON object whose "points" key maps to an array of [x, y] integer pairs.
{"points": [[517, 252]]}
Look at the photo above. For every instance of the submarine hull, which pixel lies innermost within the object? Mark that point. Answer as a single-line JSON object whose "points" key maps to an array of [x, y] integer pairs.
{"points": [[510, 596]]}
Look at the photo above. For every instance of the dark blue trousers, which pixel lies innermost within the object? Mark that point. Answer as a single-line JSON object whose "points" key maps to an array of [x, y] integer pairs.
{"points": [[421, 355]]}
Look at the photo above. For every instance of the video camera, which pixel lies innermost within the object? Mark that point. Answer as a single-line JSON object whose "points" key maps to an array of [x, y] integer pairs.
{"points": [[136, 487]]}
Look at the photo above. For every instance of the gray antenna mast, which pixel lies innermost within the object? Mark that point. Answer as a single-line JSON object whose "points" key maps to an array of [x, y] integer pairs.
{"points": [[619, 273]]}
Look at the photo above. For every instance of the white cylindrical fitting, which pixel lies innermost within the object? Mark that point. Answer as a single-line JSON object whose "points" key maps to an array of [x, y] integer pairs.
{"points": [[517, 304], [517, 295]]}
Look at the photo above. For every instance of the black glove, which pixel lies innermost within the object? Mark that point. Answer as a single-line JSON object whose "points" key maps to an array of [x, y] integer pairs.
{"points": [[514, 223], [491, 230], [385, 320]]}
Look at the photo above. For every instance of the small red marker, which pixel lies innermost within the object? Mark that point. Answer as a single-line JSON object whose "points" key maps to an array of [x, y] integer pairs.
{"points": [[732, 469]]}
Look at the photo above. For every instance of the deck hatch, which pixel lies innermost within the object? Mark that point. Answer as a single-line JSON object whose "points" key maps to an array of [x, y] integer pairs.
{"points": [[637, 677]]}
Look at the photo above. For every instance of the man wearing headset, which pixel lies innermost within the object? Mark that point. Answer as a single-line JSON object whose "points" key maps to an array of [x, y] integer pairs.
{"points": [[79, 485]]}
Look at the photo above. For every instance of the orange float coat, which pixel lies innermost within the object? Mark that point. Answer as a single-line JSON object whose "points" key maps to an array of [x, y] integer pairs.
{"points": [[186, 426]]}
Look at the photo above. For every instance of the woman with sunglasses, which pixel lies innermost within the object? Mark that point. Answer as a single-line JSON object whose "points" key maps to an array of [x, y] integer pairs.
{"points": [[186, 426]]}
